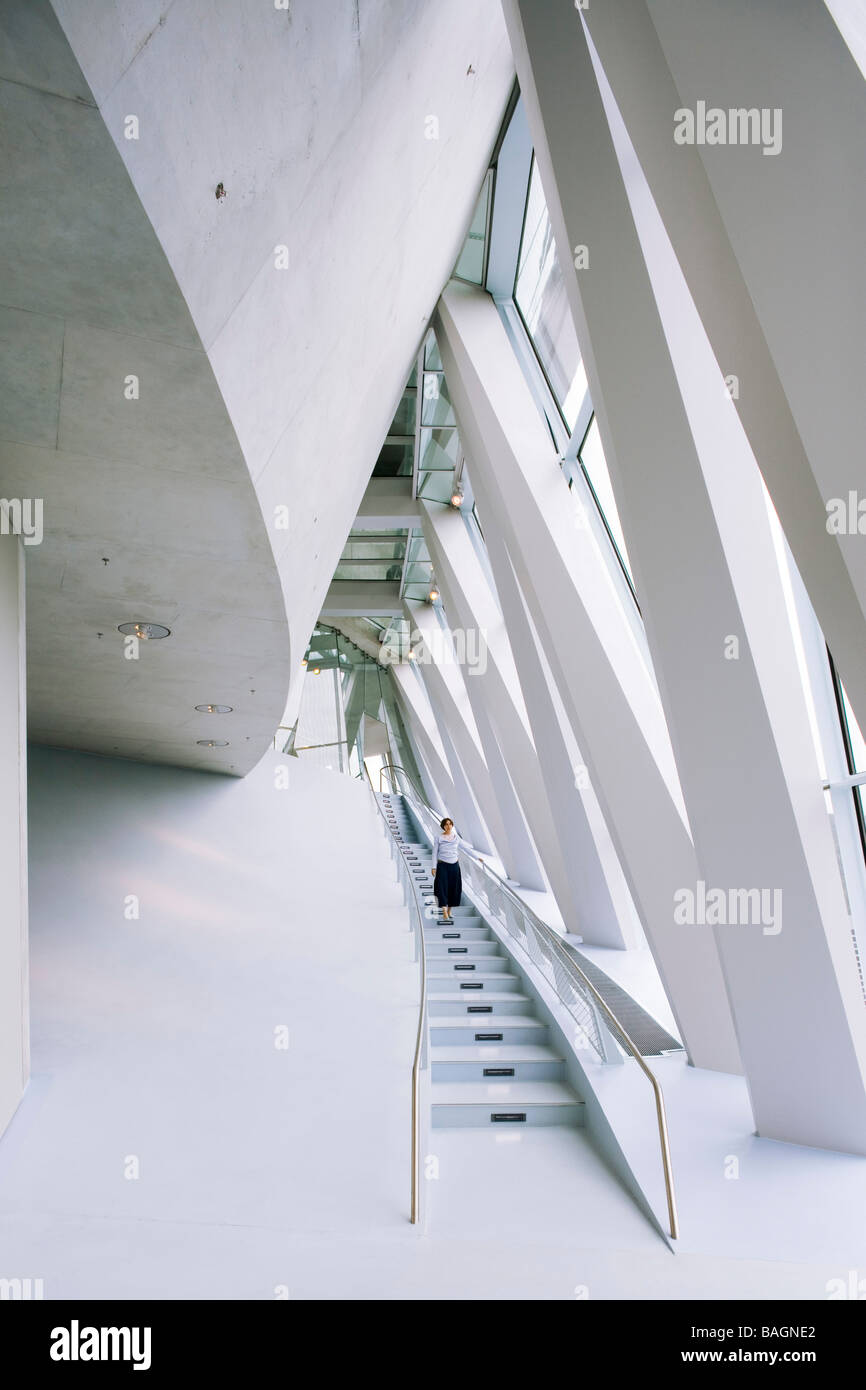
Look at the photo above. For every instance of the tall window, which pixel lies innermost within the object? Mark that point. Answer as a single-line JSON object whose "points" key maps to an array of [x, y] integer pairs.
{"points": [[539, 293], [594, 465], [855, 747]]}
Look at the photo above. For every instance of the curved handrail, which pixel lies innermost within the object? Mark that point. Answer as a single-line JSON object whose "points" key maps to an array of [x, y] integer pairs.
{"points": [[418, 1059], [553, 941]]}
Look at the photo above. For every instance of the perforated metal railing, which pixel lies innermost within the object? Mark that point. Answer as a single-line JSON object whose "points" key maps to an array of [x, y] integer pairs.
{"points": [[593, 1017]]}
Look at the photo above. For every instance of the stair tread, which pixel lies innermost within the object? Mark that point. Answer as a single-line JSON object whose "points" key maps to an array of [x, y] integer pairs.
{"points": [[506, 1094], [486, 1023], [496, 1053], [490, 997], [433, 974]]}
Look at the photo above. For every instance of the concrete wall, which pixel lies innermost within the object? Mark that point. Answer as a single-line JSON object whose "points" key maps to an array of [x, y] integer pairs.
{"points": [[14, 1041], [354, 136]]}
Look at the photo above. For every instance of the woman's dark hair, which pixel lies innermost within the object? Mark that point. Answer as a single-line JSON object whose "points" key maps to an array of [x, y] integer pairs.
{"points": [[445, 821]]}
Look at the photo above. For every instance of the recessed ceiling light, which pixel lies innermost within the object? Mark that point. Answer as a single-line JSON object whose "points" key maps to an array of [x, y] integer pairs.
{"points": [[147, 632], [214, 709], [212, 742]]}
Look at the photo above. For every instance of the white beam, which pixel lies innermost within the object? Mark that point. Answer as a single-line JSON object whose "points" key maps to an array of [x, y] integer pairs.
{"points": [[758, 826], [830, 299], [608, 694]]}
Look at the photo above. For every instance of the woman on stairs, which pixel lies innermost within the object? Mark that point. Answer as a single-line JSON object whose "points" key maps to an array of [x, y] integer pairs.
{"points": [[447, 879]]}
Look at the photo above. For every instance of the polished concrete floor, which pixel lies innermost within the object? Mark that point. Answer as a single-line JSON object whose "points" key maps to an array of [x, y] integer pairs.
{"points": [[265, 1170]]}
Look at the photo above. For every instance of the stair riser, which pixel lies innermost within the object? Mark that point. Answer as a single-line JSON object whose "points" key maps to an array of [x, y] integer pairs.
{"points": [[474, 1071], [465, 935], [459, 914], [437, 966], [445, 985], [476, 1116], [459, 1037], [463, 949], [454, 1003]]}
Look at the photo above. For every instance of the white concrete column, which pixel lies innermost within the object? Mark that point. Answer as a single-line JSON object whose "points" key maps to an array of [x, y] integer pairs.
{"points": [[562, 771], [14, 985], [817, 292], [609, 697], [514, 841], [495, 691], [443, 681], [755, 817], [421, 725]]}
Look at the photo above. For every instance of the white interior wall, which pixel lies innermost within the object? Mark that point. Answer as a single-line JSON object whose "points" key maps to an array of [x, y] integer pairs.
{"points": [[14, 1046], [356, 137]]}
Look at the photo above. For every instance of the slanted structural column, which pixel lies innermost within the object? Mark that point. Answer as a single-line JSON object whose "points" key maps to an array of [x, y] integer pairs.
{"points": [[762, 283], [764, 851], [608, 694]]}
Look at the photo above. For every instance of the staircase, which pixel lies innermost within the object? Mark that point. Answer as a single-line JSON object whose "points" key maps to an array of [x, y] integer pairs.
{"points": [[491, 1061]]}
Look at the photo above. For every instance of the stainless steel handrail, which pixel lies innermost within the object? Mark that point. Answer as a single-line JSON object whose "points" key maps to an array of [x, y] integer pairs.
{"points": [[554, 943], [412, 899]]}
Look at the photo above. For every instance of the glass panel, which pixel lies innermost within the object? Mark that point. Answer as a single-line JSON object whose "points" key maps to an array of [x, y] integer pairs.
{"points": [[395, 461], [369, 569], [436, 485], [856, 744], [595, 468], [432, 360], [418, 572], [539, 293], [418, 547], [438, 449], [436, 408], [374, 548], [470, 263], [404, 418]]}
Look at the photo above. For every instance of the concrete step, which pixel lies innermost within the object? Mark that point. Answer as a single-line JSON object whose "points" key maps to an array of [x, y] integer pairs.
{"points": [[439, 967], [500, 1029], [472, 982], [452, 1001], [434, 933], [463, 948], [493, 1062], [508, 1104]]}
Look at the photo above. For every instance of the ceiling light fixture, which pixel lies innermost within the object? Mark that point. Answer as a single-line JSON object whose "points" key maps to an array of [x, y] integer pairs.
{"points": [[212, 742], [433, 594], [146, 632], [457, 496], [317, 670], [214, 709]]}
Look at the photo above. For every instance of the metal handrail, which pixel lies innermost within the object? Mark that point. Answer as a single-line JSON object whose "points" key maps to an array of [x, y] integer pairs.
{"points": [[553, 942], [420, 1037]]}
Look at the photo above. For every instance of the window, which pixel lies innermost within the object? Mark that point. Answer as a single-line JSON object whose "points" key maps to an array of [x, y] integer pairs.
{"points": [[540, 296], [855, 747], [594, 465]]}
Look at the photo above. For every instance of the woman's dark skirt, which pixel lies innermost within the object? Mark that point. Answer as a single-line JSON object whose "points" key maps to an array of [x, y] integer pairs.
{"points": [[448, 885]]}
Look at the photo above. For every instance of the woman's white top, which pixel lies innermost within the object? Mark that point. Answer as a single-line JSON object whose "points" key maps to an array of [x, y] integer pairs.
{"points": [[445, 848]]}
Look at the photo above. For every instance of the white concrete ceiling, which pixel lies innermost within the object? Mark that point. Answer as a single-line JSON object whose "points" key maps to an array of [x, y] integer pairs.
{"points": [[149, 509], [354, 133]]}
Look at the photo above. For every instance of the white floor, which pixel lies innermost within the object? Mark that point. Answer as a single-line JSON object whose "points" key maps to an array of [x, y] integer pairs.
{"points": [[263, 1169]]}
